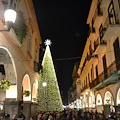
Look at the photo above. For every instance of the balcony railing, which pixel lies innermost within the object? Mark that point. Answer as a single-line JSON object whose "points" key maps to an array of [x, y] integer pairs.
{"points": [[110, 70], [85, 87], [108, 22], [36, 66]]}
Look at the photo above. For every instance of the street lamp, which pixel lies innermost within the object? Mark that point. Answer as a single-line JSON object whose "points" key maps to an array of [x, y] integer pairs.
{"points": [[10, 17]]}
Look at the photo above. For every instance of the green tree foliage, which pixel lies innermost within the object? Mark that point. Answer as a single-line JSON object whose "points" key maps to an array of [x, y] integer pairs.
{"points": [[49, 98], [21, 27]]}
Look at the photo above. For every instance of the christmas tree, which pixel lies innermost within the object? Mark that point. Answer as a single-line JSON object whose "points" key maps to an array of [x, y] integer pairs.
{"points": [[49, 98]]}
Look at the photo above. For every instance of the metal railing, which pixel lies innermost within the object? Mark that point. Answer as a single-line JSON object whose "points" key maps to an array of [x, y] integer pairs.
{"points": [[110, 70], [36, 66]]}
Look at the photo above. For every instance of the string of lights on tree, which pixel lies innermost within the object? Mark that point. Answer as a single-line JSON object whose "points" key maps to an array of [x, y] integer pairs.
{"points": [[49, 98]]}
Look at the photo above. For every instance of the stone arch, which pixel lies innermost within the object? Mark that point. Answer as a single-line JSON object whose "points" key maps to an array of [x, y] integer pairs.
{"points": [[99, 99], [26, 86], [9, 65], [117, 95], [109, 90], [108, 98]]}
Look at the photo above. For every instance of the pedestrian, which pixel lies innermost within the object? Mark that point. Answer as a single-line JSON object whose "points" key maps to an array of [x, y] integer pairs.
{"points": [[50, 117], [39, 117], [31, 118], [14, 117]]}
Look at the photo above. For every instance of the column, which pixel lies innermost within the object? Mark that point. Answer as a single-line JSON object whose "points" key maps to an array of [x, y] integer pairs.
{"points": [[27, 109]]}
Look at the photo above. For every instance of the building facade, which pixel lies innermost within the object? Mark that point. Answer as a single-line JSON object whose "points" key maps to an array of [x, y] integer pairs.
{"points": [[19, 57], [100, 64]]}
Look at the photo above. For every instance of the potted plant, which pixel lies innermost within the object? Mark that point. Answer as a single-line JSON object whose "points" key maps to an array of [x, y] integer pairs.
{"points": [[98, 101], [107, 100], [26, 93], [5, 84], [34, 99]]}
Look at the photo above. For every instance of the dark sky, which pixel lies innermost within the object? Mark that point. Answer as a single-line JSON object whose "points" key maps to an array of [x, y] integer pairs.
{"points": [[64, 23]]}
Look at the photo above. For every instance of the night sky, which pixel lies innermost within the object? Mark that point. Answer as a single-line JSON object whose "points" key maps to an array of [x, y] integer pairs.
{"points": [[64, 23]]}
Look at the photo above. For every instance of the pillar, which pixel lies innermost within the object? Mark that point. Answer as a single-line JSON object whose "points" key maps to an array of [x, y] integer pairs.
{"points": [[106, 109], [27, 109], [33, 109], [12, 107]]}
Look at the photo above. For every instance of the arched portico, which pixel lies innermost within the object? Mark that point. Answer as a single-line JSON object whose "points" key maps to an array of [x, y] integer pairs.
{"points": [[7, 71]]}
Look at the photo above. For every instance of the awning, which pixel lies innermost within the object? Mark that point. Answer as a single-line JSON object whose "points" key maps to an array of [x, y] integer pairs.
{"points": [[113, 78]]}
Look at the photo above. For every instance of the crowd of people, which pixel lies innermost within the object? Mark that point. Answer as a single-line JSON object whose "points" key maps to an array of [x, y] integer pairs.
{"points": [[65, 115]]}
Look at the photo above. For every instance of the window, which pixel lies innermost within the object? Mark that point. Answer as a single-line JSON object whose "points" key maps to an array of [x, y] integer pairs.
{"points": [[13, 3], [96, 68], [2, 69], [101, 31], [29, 42], [111, 13], [92, 73], [117, 53], [36, 55], [119, 2]]}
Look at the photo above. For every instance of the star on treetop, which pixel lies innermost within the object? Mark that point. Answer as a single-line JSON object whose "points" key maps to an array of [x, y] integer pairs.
{"points": [[48, 42]]}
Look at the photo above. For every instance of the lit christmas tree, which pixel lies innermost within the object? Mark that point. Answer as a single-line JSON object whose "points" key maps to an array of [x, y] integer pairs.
{"points": [[49, 98]]}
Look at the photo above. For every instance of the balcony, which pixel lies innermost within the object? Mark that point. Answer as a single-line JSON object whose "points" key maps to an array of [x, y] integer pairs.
{"points": [[84, 88], [104, 3], [105, 78], [99, 46], [98, 17], [91, 33], [36, 66], [14, 37], [110, 29], [93, 59]]}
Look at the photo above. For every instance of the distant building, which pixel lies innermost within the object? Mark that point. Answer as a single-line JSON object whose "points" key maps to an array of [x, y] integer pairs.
{"points": [[75, 81], [70, 95], [99, 68], [19, 57]]}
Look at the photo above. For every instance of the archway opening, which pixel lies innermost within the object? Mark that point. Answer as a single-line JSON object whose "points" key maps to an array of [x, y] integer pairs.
{"points": [[99, 100], [118, 97], [26, 87], [108, 100], [7, 71]]}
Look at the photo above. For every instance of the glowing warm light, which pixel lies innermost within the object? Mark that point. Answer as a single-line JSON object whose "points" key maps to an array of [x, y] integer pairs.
{"points": [[27, 98], [1, 107], [12, 92], [81, 97], [86, 93], [44, 84], [10, 15], [48, 42]]}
